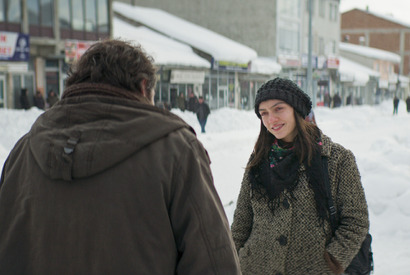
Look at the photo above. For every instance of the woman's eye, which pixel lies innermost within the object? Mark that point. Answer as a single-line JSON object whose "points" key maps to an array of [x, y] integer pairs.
{"points": [[263, 114]]}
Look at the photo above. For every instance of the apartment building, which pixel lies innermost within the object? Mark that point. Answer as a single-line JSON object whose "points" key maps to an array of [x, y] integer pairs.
{"points": [[366, 28]]}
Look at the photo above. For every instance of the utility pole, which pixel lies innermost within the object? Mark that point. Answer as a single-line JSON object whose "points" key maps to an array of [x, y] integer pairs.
{"points": [[310, 91]]}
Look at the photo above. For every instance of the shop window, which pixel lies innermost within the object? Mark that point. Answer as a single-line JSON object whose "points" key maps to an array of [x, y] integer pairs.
{"points": [[33, 12], [64, 14], [2, 13], [102, 15], [46, 13], [13, 11], [90, 15], [78, 15], [83, 19]]}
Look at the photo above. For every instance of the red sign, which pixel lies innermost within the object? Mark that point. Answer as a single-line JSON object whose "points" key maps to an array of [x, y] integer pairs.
{"points": [[333, 62], [75, 49]]}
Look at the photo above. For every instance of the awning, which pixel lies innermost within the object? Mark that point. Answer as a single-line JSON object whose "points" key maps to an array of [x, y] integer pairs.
{"points": [[265, 65], [218, 46], [356, 73], [164, 50]]}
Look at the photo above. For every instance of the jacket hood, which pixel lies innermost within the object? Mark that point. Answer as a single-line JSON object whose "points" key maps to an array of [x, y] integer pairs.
{"points": [[84, 135]]}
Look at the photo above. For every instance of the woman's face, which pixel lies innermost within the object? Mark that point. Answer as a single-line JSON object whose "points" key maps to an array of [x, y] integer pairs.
{"points": [[278, 117]]}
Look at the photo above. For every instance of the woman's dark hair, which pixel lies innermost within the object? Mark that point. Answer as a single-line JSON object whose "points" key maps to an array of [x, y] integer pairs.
{"points": [[305, 142], [117, 63], [307, 151]]}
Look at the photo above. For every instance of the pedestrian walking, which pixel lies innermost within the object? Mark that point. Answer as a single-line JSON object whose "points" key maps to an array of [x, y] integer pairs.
{"points": [[192, 102], [202, 113], [395, 105]]}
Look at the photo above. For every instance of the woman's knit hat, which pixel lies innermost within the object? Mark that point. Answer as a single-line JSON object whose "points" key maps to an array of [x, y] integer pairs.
{"points": [[286, 90]]}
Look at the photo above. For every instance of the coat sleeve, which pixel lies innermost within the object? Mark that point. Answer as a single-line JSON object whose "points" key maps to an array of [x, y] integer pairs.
{"points": [[352, 209], [2, 174], [243, 216], [200, 226]]}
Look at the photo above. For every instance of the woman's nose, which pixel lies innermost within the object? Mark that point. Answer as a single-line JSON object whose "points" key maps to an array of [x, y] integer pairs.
{"points": [[273, 118]]}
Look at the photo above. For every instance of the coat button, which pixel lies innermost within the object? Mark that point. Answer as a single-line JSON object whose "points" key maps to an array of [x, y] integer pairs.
{"points": [[286, 204], [282, 240]]}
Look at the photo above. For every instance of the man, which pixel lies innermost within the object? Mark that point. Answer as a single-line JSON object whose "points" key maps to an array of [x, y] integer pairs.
{"points": [[106, 183], [395, 105], [192, 103], [39, 100], [25, 104], [202, 113]]}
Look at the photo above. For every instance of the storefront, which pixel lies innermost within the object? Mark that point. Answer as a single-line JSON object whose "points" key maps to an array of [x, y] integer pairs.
{"points": [[14, 68]]}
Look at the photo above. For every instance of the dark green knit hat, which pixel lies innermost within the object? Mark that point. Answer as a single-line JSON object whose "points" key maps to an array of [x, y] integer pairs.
{"points": [[286, 90]]}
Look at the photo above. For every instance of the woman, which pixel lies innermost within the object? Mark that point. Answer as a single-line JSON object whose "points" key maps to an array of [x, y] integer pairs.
{"points": [[281, 224]]}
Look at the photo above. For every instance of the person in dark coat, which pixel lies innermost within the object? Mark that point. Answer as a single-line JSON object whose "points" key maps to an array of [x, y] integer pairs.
{"points": [[39, 100], [395, 105], [202, 113], [408, 104], [51, 98], [192, 102], [181, 102], [337, 101], [107, 183], [25, 104], [281, 222]]}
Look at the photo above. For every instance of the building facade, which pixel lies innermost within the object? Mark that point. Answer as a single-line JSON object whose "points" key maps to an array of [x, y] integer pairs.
{"points": [[57, 32], [276, 29], [366, 28]]}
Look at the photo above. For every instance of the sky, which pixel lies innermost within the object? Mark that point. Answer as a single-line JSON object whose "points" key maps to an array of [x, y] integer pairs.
{"points": [[399, 9], [379, 141]]}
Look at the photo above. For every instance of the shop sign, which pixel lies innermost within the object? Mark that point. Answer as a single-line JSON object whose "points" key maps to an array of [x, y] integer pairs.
{"points": [[74, 49], [14, 46], [333, 62], [192, 77], [229, 66], [289, 61]]}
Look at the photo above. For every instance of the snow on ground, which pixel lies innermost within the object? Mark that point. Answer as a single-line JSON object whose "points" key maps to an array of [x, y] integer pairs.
{"points": [[379, 140]]}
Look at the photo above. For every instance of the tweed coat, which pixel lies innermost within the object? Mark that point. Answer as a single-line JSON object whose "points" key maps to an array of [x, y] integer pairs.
{"points": [[106, 185], [291, 240]]}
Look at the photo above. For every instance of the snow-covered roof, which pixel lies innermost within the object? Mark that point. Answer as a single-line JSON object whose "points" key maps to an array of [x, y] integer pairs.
{"points": [[219, 47], [385, 17], [370, 52], [265, 65], [351, 71], [164, 50]]}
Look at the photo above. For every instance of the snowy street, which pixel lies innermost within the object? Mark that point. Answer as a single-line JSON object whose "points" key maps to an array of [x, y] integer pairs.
{"points": [[379, 140]]}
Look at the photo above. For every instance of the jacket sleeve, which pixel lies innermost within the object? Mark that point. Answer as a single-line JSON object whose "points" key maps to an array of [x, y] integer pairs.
{"points": [[243, 216], [2, 174], [200, 226], [352, 209]]}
